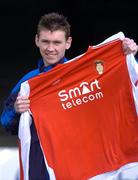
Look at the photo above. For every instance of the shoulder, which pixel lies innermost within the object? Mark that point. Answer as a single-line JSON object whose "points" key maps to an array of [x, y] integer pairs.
{"points": [[30, 74], [26, 77]]}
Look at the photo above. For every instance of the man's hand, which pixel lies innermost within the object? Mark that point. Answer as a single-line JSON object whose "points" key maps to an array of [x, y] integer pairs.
{"points": [[21, 104], [129, 46]]}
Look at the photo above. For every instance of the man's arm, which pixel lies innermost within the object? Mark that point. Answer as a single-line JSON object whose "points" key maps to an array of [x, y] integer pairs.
{"points": [[9, 117], [15, 105]]}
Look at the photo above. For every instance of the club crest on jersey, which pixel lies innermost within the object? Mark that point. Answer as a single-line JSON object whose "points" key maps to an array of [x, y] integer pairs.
{"points": [[99, 65]]}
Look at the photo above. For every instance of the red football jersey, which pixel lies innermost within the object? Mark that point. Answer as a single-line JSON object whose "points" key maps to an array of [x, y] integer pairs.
{"points": [[85, 115]]}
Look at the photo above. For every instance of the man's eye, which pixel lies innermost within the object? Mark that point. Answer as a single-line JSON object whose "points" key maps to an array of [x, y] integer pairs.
{"points": [[57, 42], [45, 42]]}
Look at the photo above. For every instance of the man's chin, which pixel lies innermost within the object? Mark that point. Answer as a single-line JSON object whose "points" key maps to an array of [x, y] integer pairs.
{"points": [[51, 62]]}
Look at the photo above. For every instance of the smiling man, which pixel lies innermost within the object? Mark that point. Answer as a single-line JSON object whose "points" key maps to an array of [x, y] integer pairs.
{"points": [[53, 43], [53, 39]]}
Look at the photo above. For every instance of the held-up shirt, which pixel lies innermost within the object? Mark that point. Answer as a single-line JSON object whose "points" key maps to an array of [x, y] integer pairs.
{"points": [[85, 113]]}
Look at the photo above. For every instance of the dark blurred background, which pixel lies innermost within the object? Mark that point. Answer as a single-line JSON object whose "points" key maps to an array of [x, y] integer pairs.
{"points": [[92, 22]]}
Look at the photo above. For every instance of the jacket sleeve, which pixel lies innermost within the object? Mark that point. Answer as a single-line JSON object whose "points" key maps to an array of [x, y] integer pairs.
{"points": [[9, 118]]}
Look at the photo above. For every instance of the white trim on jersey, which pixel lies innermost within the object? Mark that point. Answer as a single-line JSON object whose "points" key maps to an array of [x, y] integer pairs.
{"points": [[24, 133], [126, 172], [133, 72]]}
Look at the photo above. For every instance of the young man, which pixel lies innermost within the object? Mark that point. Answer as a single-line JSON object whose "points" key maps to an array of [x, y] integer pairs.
{"points": [[53, 39]]}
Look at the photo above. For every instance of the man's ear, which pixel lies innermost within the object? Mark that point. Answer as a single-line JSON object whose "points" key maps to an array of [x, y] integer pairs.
{"points": [[68, 43], [37, 40]]}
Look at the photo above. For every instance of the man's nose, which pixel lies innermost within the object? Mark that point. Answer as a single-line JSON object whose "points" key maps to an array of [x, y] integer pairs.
{"points": [[50, 47]]}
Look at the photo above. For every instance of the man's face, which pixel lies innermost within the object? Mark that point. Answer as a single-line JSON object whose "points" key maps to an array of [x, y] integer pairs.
{"points": [[52, 45]]}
